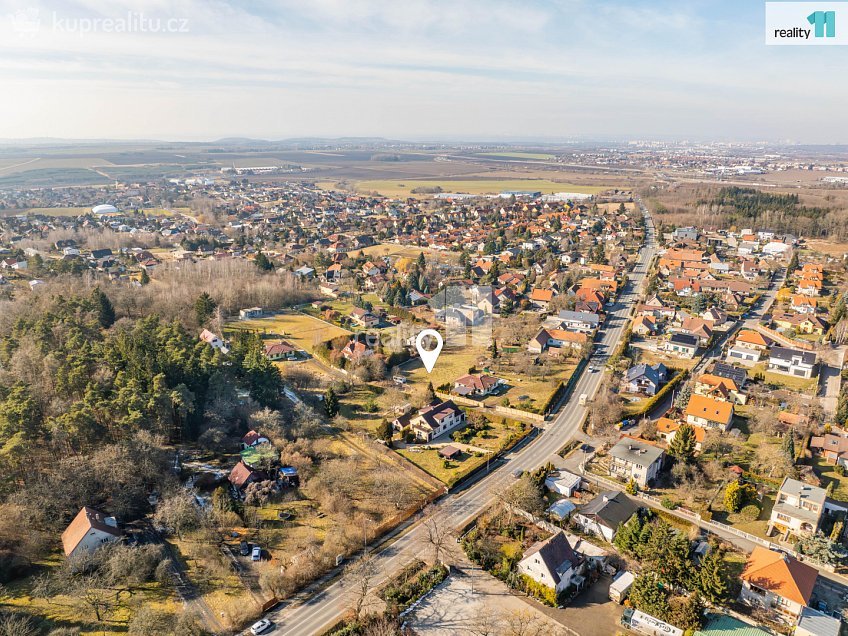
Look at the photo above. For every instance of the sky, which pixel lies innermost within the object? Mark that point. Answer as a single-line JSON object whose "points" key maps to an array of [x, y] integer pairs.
{"points": [[423, 70]]}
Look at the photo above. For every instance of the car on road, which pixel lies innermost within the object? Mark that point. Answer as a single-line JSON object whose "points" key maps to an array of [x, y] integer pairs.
{"points": [[593, 369], [260, 626], [256, 555], [244, 548]]}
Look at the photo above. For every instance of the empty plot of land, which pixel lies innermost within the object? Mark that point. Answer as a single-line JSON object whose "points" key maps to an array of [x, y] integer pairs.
{"points": [[304, 331], [398, 188]]}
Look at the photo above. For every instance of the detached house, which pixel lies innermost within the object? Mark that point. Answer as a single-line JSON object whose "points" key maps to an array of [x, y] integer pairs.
{"points": [[778, 582], [552, 563], [645, 379], [476, 385], [603, 515], [636, 459], [89, 530], [708, 412], [800, 364], [681, 345], [280, 351], [363, 317], [431, 421], [798, 507]]}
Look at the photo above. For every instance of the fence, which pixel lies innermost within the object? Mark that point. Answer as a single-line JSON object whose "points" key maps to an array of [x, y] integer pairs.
{"points": [[506, 411]]}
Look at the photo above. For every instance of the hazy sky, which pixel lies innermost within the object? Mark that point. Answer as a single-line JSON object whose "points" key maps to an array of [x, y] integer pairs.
{"points": [[412, 69]]}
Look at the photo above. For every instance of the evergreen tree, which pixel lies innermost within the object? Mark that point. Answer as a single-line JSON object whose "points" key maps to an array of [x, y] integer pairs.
{"points": [[682, 399], [632, 487], [430, 395], [711, 578], [421, 261], [331, 403], [263, 263], [789, 445], [494, 349], [734, 496], [648, 595], [683, 443], [689, 614], [385, 431], [204, 307], [105, 310], [145, 277]]}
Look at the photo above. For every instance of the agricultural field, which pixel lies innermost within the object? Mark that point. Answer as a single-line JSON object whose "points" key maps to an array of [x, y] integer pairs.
{"points": [[302, 330], [403, 188], [394, 250]]}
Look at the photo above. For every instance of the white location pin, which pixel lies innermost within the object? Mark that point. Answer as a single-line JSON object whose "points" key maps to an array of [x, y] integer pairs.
{"points": [[429, 357]]}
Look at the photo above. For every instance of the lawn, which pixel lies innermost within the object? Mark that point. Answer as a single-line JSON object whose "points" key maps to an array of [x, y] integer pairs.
{"points": [[304, 331], [394, 250], [828, 474], [494, 439], [404, 187]]}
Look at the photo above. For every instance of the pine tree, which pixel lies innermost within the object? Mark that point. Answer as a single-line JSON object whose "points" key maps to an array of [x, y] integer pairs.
{"points": [[649, 596], [331, 403], [421, 261], [494, 348], [204, 307], [683, 443], [430, 395], [682, 399], [105, 310], [145, 277], [385, 431], [263, 263], [690, 613]]}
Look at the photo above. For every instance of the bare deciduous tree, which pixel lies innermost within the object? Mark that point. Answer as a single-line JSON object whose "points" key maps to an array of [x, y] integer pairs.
{"points": [[358, 579]]}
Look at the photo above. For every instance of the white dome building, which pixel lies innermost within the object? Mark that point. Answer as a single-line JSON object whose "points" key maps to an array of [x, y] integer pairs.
{"points": [[104, 209]]}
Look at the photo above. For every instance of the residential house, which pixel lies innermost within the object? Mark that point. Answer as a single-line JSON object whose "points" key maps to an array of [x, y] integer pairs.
{"points": [[364, 318], [681, 345], [667, 430], [799, 364], [250, 313], [552, 563], [645, 379], [832, 447], [699, 328], [737, 374], [635, 459], [748, 347], [777, 582], [719, 388], [89, 530], [557, 338], [815, 623], [242, 475], [433, 420], [605, 513], [304, 273], [252, 438], [563, 483], [355, 350], [715, 316], [212, 340], [798, 507], [541, 298], [708, 412], [578, 321], [478, 385], [281, 351], [644, 326]]}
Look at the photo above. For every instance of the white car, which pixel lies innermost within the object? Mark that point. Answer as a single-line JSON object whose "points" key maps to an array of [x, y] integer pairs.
{"points": [[260, 626], [256, 555]]}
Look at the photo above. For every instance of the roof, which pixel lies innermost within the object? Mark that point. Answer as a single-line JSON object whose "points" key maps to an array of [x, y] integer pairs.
{"points": [[803, 491], [815, 622], [612, 508], [579, 316], [785, 353], [554, 552], [636, 452], [449, 451], [736, 374], [749, 336], [650, 372], [684, 339], [481, 382], [86, 519], [724, 625], [780, 574], [542, 295], [716, 380], [561, 508], [709, 409], [250, 438]]}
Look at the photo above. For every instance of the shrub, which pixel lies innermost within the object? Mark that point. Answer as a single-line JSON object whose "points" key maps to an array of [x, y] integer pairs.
{"points": [[669, 503], [750, 512]]}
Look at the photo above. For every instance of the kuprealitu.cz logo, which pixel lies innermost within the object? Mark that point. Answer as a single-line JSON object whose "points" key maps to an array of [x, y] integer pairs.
{"points": [[805, 23]]}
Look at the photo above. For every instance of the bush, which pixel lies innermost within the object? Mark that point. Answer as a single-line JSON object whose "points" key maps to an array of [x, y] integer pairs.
{"points": [[840, 470], [750, 512], [669, 503], [400, 594], [545, 594]]}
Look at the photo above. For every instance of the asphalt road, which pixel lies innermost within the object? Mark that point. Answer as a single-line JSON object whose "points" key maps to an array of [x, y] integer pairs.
{"points": [[328, 606]]}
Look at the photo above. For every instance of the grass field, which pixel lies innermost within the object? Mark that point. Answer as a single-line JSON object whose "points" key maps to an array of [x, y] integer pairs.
{"points": [[302, 330], [79, 211], [541, 156], [828, 474], [403, 188], [790, 382], [404, 251]]}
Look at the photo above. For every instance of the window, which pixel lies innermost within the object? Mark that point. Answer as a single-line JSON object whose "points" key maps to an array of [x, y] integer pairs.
{"points": [[783, 517]]}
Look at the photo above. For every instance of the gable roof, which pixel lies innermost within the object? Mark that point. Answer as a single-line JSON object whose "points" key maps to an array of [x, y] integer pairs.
{"points": [[86, 519], [780, 574], [554, 552], [610, 508], [709, 409]]}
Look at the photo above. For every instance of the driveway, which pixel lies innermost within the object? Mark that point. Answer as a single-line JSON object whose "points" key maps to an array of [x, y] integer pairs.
{"points": [[830, 379]]}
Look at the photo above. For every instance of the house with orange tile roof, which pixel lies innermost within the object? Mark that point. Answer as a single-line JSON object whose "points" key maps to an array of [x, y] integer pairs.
{"points": [[89, 530], [667, 429], [556, 338], [706, 411], [777, 582], [541, 298], [809, 287], [748, 347], [719, 388], [644, 326]]}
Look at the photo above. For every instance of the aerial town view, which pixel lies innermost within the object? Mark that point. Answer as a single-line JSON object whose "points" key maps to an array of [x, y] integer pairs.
{"points": [[423, 317]]}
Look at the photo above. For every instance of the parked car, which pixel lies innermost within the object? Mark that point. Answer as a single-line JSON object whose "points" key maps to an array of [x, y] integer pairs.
{"points": [[244, 548], [260, 626], [256, 555]]}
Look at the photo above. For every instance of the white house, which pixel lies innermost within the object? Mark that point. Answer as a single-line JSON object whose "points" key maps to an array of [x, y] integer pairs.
{"points": [[798, 507], [431, 421], [551, 563], [778, 583], [632, 458], [800, 364], [563, 483], [605, 513], [89, 530]]}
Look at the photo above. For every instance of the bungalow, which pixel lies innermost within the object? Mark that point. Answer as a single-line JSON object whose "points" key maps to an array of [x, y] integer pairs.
{"points": [[552, 563], [777, 582], [212, 340], [476, 384], [89, 530], [800, 364], [705, 411], [280, 351], [563, 483], [578, 321], [557, 338], [798, 507], [645, 379], [682, 345], [250, 313], [605, 513], [635, 459], [242, 475]]}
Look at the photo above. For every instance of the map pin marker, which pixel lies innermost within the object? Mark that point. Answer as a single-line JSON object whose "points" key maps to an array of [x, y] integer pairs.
{"points": [[429, 357]]}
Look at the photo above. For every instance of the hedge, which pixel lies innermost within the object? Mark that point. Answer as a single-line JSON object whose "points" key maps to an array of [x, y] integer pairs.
{"points": [[660, 395]]}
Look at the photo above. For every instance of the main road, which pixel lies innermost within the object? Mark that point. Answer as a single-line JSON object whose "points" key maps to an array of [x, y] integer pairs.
{"points": [[326, 607]]}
